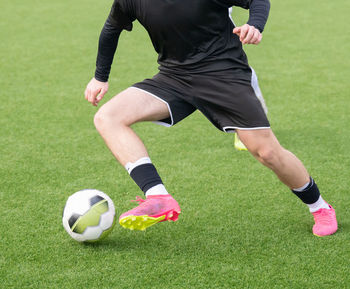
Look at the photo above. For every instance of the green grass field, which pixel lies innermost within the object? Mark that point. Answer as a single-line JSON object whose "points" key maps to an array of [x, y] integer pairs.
{"points": [[240, 227]]}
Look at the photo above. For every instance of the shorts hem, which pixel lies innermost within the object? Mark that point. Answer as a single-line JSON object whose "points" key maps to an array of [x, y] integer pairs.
{"points": [[160, 122], [232, 129]]}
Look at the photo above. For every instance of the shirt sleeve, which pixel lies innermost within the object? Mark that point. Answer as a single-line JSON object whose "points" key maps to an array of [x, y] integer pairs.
{"points": [[121, 15], [120, 18], [258, 10], [258, 13]]}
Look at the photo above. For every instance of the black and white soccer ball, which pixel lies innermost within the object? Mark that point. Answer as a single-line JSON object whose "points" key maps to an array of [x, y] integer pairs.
{"points": [[88, 216]]}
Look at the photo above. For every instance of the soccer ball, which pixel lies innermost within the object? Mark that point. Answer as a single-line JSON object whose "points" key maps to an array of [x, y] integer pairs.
{"points": [[88, 216]]}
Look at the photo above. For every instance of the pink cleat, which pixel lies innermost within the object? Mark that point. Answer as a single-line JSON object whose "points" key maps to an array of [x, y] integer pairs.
{"points": [[325, 222], [150, 211]]}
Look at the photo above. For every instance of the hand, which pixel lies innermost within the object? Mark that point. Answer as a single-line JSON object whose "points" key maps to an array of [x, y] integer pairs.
{"points": [[248, 34], [95, 90]]}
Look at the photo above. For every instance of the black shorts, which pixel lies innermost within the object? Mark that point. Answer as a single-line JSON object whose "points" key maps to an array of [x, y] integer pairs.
{"points": [[227, 101]]}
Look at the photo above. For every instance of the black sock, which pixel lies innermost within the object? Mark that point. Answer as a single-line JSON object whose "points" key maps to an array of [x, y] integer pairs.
{"points": [[146, 176], [310, 194]]}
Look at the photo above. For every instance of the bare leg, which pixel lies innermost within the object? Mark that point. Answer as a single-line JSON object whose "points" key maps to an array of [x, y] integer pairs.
{"points": [[265, 147], [113, 121]]}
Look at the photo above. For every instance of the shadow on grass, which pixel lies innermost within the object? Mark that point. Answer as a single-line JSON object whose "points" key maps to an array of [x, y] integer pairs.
{"points": [[125, 240]]}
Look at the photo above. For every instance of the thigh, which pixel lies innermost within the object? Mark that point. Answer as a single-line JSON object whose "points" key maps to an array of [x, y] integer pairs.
{"points": [[257, 139], [134, 105], [172, 89]]}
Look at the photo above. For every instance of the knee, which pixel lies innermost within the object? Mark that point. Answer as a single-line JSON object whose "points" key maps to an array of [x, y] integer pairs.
{"points": [[99, 120], [105, 119], [267, 155]]}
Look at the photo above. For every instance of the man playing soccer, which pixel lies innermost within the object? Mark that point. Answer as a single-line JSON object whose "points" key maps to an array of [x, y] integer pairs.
{"points": [[201, 66]]}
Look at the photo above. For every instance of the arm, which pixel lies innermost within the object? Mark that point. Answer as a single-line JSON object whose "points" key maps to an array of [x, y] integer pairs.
{"points": [[258, 13], [250, 33], [107, 46], [98, 86], [108, 41]]}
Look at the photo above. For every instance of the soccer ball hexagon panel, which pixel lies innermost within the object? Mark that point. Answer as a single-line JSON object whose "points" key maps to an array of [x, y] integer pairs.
{"points": [[89, 215]]}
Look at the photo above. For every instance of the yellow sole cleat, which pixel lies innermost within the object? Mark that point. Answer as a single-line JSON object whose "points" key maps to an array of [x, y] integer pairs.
{"points": [[150, 211], [139, 223]]}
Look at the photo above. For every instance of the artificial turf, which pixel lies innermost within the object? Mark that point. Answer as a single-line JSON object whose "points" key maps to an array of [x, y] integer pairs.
{"points": [[240, 227]]}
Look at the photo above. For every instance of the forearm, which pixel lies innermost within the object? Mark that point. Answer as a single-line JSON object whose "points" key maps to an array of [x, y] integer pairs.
{"points": [[108, 42], [258, 13]]}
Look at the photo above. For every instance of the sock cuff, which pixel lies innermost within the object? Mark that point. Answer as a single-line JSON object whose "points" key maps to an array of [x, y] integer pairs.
{"points": [[146, 176], [305, 187], [310, 194], [130, 166], [156, 190]]}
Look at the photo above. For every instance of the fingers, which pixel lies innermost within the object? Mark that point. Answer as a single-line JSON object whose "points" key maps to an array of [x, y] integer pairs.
{"points": [[253, 37], [248, 34], [86, 93], [244, 32], [95, 91], [258, 38], [100, 95], [92, 94], [237, 30]]}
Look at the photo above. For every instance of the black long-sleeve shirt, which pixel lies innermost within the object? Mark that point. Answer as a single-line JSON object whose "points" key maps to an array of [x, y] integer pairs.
{"points": [[189, 35]]}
